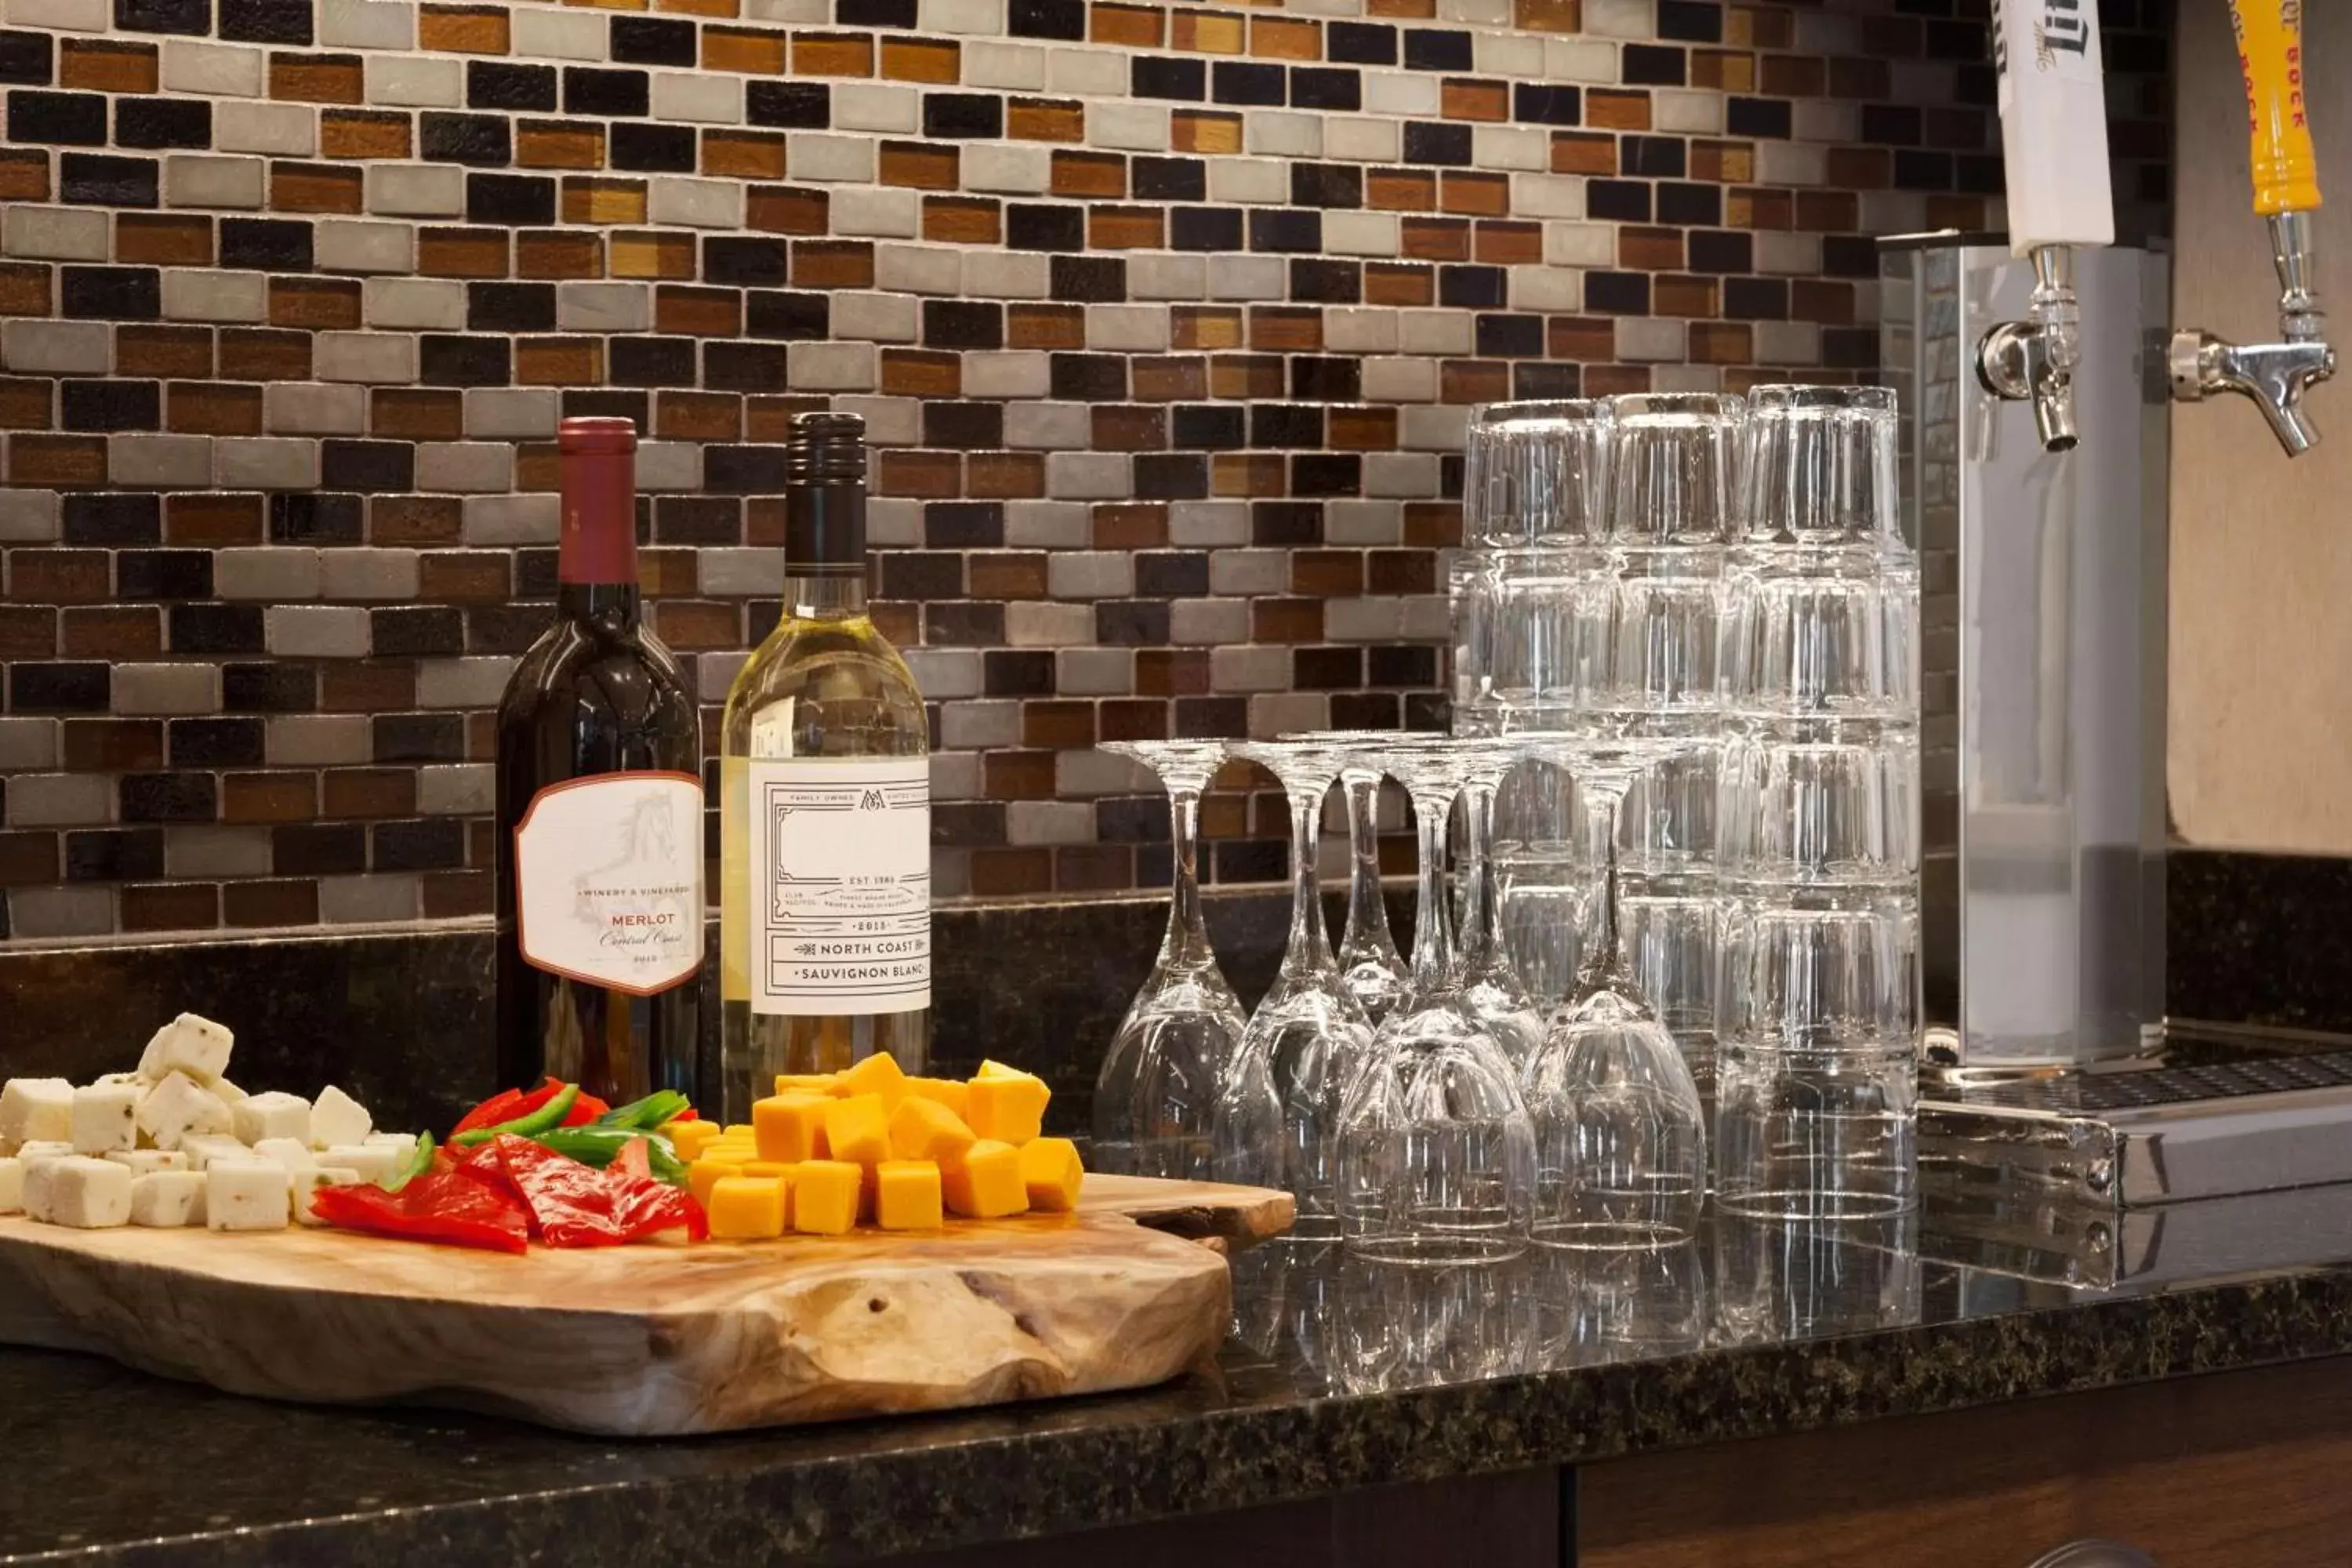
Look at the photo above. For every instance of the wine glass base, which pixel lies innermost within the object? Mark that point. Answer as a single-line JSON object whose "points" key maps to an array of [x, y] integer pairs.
{"points": [[1437, 1250], [1817, 1202], [1312, 1229], [1610, 1236]]}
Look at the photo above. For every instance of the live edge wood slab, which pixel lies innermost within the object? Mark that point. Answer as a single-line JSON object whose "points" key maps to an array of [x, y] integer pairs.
{"points": [[660, 1341]]}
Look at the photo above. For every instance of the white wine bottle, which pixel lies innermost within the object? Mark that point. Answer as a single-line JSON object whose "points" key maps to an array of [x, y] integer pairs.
{"points": [[825, 921]]}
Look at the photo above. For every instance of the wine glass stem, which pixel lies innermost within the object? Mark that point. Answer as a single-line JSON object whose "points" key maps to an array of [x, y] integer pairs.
{"points": [[1308, 949], [1602, 797], [1187, 944], [1368, 913], [1480, 905], [1432, 945]]}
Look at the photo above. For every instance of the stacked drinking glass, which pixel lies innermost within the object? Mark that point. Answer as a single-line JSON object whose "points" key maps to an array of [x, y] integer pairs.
{"points": [[1817, 815]]}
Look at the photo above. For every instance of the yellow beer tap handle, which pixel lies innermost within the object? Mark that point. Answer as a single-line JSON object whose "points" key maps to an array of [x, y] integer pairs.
{"points": [[2269, 57]]}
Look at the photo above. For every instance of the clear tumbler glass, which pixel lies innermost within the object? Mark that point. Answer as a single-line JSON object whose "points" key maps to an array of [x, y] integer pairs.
{"points": [[1535, 473]]}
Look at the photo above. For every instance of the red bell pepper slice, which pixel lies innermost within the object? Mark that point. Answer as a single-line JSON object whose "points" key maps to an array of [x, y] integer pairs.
{"points": [[441, 1207], [508, 1104], [585, 1109], [573, 1205]]}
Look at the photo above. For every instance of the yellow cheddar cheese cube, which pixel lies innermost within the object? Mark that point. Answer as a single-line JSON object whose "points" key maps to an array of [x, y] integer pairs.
{"points": [[991, 1068], [825, 1198], [1009, 1107], [747, 1209], [807, 1082], [707, 1172], [690, 1138], [791, 1127], [926, 1129], [769, 1168], [858, 1129], [878, 1074], [1050, 1173], [907, 1195], [950, 1093], [987, 1183], [741, 1130]]}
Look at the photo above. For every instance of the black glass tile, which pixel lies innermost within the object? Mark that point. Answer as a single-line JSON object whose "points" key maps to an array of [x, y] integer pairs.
{"points": [[369, 467], [266, 21], [162, 574], [1326, 87], [875, 12], [192, 18], [1617, 293], [445, 360], [1727, 250], [162, 122], [1036, 225], [1849, 348], [1652, 157], [1063, 19], [1691, 21], [269, 688], [1471, 288], [1285, 424], [1363, 710], [111, 404], [1541, 103], [1427, 141], [1168, 76], [1686, 203], [1247, 84], [1204, 228], [1327, 185], [416, 631], [641, 149], [921, 574], [509, 306], [1916, 170], [102, 179], [1843, 256], [1510, 336], [789, 105], [1758, 117], [774, 314], [1625, 201], [318, 849], [1088, 279], [1755, 299], [1017, 672], [1401, 666], [59, 688], [1286, 229], [115, 854], [1653, 64], [1980, 174], [963, 525], [1170, 476], [1131, 623], [1327, 474], [499, 628], [170, 797], [112, 518], [1285, 524], [216, 628], [1324, 281], [1209, 426], [963, 427], [501, 84], [1172, 574], [1327, 668], [953, 115], [742, 471], [1167, 179], [484, 140], [510, 199], [742, 367], [425, 843], [1891, 124], [1437, 50], [269, 244], [963, 324], [589, 90], [1326, 379], [1088, 378], [1360, 43], [111, 293], [225, 743], [300, 518], [744, 261], [652, 361], [653, 41], [1954, 41], [70, 119], [1542, 381], [27, 59]]}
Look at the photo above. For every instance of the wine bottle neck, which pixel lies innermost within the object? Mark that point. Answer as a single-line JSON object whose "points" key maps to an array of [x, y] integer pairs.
{"points": [[598, 546], [830, 597], [616, 606]]}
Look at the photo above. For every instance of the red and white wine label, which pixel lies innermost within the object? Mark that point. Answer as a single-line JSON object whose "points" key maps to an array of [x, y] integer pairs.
{"points": [[608, 880], [841, 885]]}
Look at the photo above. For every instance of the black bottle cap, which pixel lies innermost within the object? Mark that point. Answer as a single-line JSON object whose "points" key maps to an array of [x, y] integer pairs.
{"points": [[824, 495]]}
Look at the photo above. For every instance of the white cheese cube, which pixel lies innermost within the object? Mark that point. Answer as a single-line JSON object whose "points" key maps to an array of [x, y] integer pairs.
{"points": [[305, 1182], [33, 1193], [245, 1195], [33, 1155], [188, 1044], [114, 1078], [369, 1162], [12, 1183], [230, 1094], [204, 1149], [104, 1117], [87, 1194], [165, 1198], [142, 1161], [272, 1115], [336, 1118], [35, 1110], [404, 1145], [290, 1153], [178, 1108]]}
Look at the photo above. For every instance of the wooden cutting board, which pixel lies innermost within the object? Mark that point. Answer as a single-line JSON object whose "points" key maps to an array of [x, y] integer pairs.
{"points": [[658, 1340]]}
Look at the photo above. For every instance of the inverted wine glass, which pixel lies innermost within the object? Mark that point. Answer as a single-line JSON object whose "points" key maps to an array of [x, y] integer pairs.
{"points": [[1436, 1153], [1489, 981], [1156, 1099], [1308, 1034], [1370, 965], [1620, 1132]]}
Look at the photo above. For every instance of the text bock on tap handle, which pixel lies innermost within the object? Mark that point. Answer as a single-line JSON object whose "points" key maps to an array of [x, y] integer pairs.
{"points": [[2270, 57]]}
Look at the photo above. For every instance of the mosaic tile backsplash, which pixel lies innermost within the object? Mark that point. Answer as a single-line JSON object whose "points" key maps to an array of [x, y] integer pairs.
{"points": [[1166, 319]]}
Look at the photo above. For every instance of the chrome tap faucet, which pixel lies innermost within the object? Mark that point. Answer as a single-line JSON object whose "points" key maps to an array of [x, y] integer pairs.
{"points": [[2274, 375], [2035, 359]]}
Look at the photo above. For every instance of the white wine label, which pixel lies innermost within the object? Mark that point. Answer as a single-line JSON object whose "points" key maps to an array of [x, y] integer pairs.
{"points": [[841, 885], [608, 880]]}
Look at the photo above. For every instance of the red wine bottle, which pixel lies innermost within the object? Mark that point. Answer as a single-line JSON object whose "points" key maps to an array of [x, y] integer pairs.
{"points": [[600, 836]]}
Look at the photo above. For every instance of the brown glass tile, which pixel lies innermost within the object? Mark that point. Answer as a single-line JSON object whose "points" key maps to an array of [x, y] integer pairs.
{"points": [[698, 312], [250, 906], [1725, 70], [750, 49], [1127, 427], [363, 133], [1057, 724], [1787, 76], [1759, 26], [559, 362], [833, 264], [921, 373], [1610, 108], [1011, 873], [1130, 525], [1826, 300], [677, 572], [743, 154], [1955, 212], [65, 461], [163, 351], [319, 79], [1418, 10], [1399, 283], [366, 686], [763, 516], [1401, 571], [105, 64], [559, 253], [113, 745], [25, 405], [1006, 575], [930, 475], [963, 220], [1721, 343], [642, 253], [1676, 294], [1435, 240], [27, 633], [1829, 212], [1287, 620], [787, 210], [416, 520], [901, 624], [1645, 249], [1548, 16], [699, 624], [1326, 572], [1245, 375], [1089, 174], [1616, 380], [1018, 775], [1583, 153], [212, 408], [721, 9], [465, 577], [1285, 38], [920, 165], [53, 576], [454, 895], [936, 60], [170, 906], [1172, 671], [1472, 381], [560, 144], [315, 188], [1046, 120], [1749, 207], [1205, 130], [1727, 162], [590, 200], [1502, 244], [1031, 326], [1363, 429], [1004, 476], [24, 174], [1860, 168], [25, 289], [1465, 98], [1400, 190], [348, 794], [695, 417], [320, 304], [275, 797], [1126, 228], [417, 413], [1134, 26], [162, 239], [833, 54], [1247, 474], [462, 252], [1131, 719], [1093, 867], [1206, 32], [28, 860], [1894, 37], [1286, 329], [1432, 524], [211, 518], [464, 29]]}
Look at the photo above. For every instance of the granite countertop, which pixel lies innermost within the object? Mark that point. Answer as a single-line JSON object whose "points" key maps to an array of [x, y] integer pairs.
{"points": [[1337, 1375]]}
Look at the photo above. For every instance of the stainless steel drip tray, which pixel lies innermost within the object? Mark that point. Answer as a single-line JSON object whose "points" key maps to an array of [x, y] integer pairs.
{"points": [[2041, 1236], [2190, 1124]]}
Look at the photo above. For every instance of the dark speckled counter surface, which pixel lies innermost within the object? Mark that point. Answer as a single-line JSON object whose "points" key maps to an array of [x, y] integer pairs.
{"points": [[1337, 1376]]}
